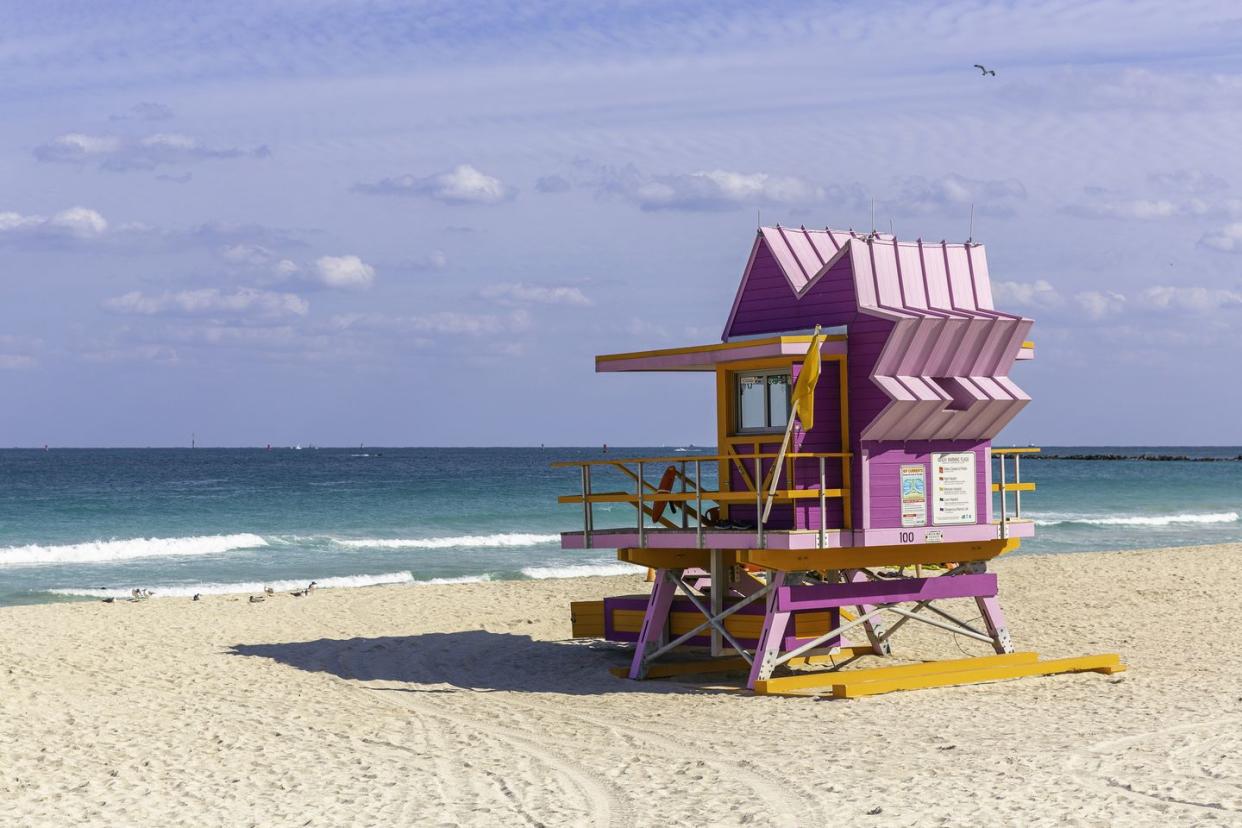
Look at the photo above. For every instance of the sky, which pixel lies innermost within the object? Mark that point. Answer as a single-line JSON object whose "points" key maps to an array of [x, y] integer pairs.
{"points": [[344, 223]]}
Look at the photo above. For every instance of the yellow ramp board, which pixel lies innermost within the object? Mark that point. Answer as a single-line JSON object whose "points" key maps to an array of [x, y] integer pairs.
{"points": [[586, 619], [1107, 664], [810, 681], [734, 664]]}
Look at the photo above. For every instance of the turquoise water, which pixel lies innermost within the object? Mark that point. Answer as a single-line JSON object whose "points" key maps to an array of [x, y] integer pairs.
{"points": [[89, 522]]}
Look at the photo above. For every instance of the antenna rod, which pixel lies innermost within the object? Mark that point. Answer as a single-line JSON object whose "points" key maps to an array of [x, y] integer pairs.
{"points": [[971, 236], [873, 216]]}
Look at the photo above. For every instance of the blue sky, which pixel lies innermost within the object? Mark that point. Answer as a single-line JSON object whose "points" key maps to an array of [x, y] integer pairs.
{"points": [[416, 223]]}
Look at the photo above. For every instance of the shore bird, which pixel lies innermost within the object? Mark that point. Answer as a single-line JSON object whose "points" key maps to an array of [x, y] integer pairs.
{"points": [[984, 70], [257, 599], [268, 590]]}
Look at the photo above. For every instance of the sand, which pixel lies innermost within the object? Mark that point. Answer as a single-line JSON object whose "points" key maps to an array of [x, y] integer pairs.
{"points": [[465, 705]]}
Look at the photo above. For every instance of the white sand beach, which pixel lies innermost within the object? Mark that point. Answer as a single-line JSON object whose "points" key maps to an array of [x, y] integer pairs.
{"points": [[466, 705]]}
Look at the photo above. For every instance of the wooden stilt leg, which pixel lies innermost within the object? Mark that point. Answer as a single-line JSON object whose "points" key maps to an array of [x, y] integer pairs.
{"points": [[655, 620], [773, 635], [874, 627], [990, 609]]}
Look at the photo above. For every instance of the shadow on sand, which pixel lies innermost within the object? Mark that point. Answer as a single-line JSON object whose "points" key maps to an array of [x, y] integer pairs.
{"points": [[471, 659]]}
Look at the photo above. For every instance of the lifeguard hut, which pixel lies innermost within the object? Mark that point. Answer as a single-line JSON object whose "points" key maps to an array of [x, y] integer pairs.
{"points": [[860, 381]]}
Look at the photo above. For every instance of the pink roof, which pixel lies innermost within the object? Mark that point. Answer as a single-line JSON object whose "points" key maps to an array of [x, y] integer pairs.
{"points": [[945, 365]]}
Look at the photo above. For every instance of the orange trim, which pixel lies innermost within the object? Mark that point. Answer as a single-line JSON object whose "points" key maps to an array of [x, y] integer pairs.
{"points": [[720, 346]]}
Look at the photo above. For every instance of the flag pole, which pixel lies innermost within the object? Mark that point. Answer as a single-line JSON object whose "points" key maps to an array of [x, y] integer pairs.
{"points": [[776, 470], [780, 457]]}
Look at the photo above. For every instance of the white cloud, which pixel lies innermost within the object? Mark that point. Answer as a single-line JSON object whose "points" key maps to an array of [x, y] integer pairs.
{"points": [[1192, 182], [17, 353], [74, 223], [1037, 294], [706, 190], [344, 272], [1227, 239], [996, 197], [1102, 204], [473, 324], [439, 322], [1193, 299], [210, 301], [117, 153], [463, 184], [1099, 304], [517, 292]]}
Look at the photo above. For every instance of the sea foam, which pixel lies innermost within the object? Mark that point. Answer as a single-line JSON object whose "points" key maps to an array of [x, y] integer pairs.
{"points": [[1138, 520], [579, 570], [499, 540], [105, 551], [186, 590]]}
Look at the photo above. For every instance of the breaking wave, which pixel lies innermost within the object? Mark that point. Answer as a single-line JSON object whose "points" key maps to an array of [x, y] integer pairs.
{"points": [[498, 540], [464, 579], [102, 551], [1138, 520], [186, 590], [580, 570]]}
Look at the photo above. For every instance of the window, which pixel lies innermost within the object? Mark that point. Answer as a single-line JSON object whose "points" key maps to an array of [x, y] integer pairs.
{"points": [[762, 400]]}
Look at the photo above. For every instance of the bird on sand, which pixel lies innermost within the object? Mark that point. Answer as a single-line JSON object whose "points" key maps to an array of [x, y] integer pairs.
{"points": [[298, 593], [984, 70], [108, 600], [197, 597], [269, 590], [257, 599]]}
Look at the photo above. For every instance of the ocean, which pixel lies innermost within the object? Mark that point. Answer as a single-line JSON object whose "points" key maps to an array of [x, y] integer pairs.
{"points": [[86, 523]]}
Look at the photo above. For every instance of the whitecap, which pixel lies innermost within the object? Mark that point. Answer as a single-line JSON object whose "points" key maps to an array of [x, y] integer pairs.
{"points": [[579, 570], [508, 539], [186, 590], [1137, 520], [107, 551]]}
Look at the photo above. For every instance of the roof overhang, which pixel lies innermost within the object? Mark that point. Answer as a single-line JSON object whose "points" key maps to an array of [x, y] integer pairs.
{"points": [[707, 357]]}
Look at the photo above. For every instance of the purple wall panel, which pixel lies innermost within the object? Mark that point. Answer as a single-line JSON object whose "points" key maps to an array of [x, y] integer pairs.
{"points": [[885, 464], [768, 303]]}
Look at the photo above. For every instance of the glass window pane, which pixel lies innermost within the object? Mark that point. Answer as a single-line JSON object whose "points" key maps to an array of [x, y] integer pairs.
{"points": [[778, 400], [750, 402]]}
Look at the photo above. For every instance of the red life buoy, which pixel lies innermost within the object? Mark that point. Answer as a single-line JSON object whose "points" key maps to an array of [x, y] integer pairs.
{"points": [[666, 486]]}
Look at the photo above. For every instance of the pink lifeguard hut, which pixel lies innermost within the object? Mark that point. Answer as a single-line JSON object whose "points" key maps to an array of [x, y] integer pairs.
{"points": [[829, 486]]}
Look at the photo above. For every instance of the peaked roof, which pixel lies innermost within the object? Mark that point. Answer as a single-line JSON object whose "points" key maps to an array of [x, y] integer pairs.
{"points": [[945, 361], [893, 278]]}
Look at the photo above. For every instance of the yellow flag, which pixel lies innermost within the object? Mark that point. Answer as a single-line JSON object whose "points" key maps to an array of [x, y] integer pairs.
{"points": [[804, 391]]}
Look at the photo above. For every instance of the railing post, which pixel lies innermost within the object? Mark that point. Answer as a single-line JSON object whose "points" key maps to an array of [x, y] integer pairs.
{"points": [[759, 498], [642, 537], [1004, 519], [698, 501], [685, 517], [823, 504], [586, 506], [1017, 481]]}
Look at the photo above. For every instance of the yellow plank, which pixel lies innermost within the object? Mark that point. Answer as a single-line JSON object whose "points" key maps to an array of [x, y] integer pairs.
{"points": [[721, 346], [855, 557], [735, 664], [807, 681], [627, 620], [1015, 487], [1108, 664], [668, 558]]}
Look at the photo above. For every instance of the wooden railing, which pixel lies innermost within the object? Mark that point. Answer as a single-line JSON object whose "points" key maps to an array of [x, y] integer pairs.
{"points": [[686, 494], [1004, 487]]}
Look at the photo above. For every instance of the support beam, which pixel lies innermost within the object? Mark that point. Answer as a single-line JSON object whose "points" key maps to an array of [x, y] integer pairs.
{"points": [[858, 557], [811, 681]]}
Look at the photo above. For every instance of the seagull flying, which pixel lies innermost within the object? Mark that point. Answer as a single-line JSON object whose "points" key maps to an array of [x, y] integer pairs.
{"points": [[984, 70]]}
